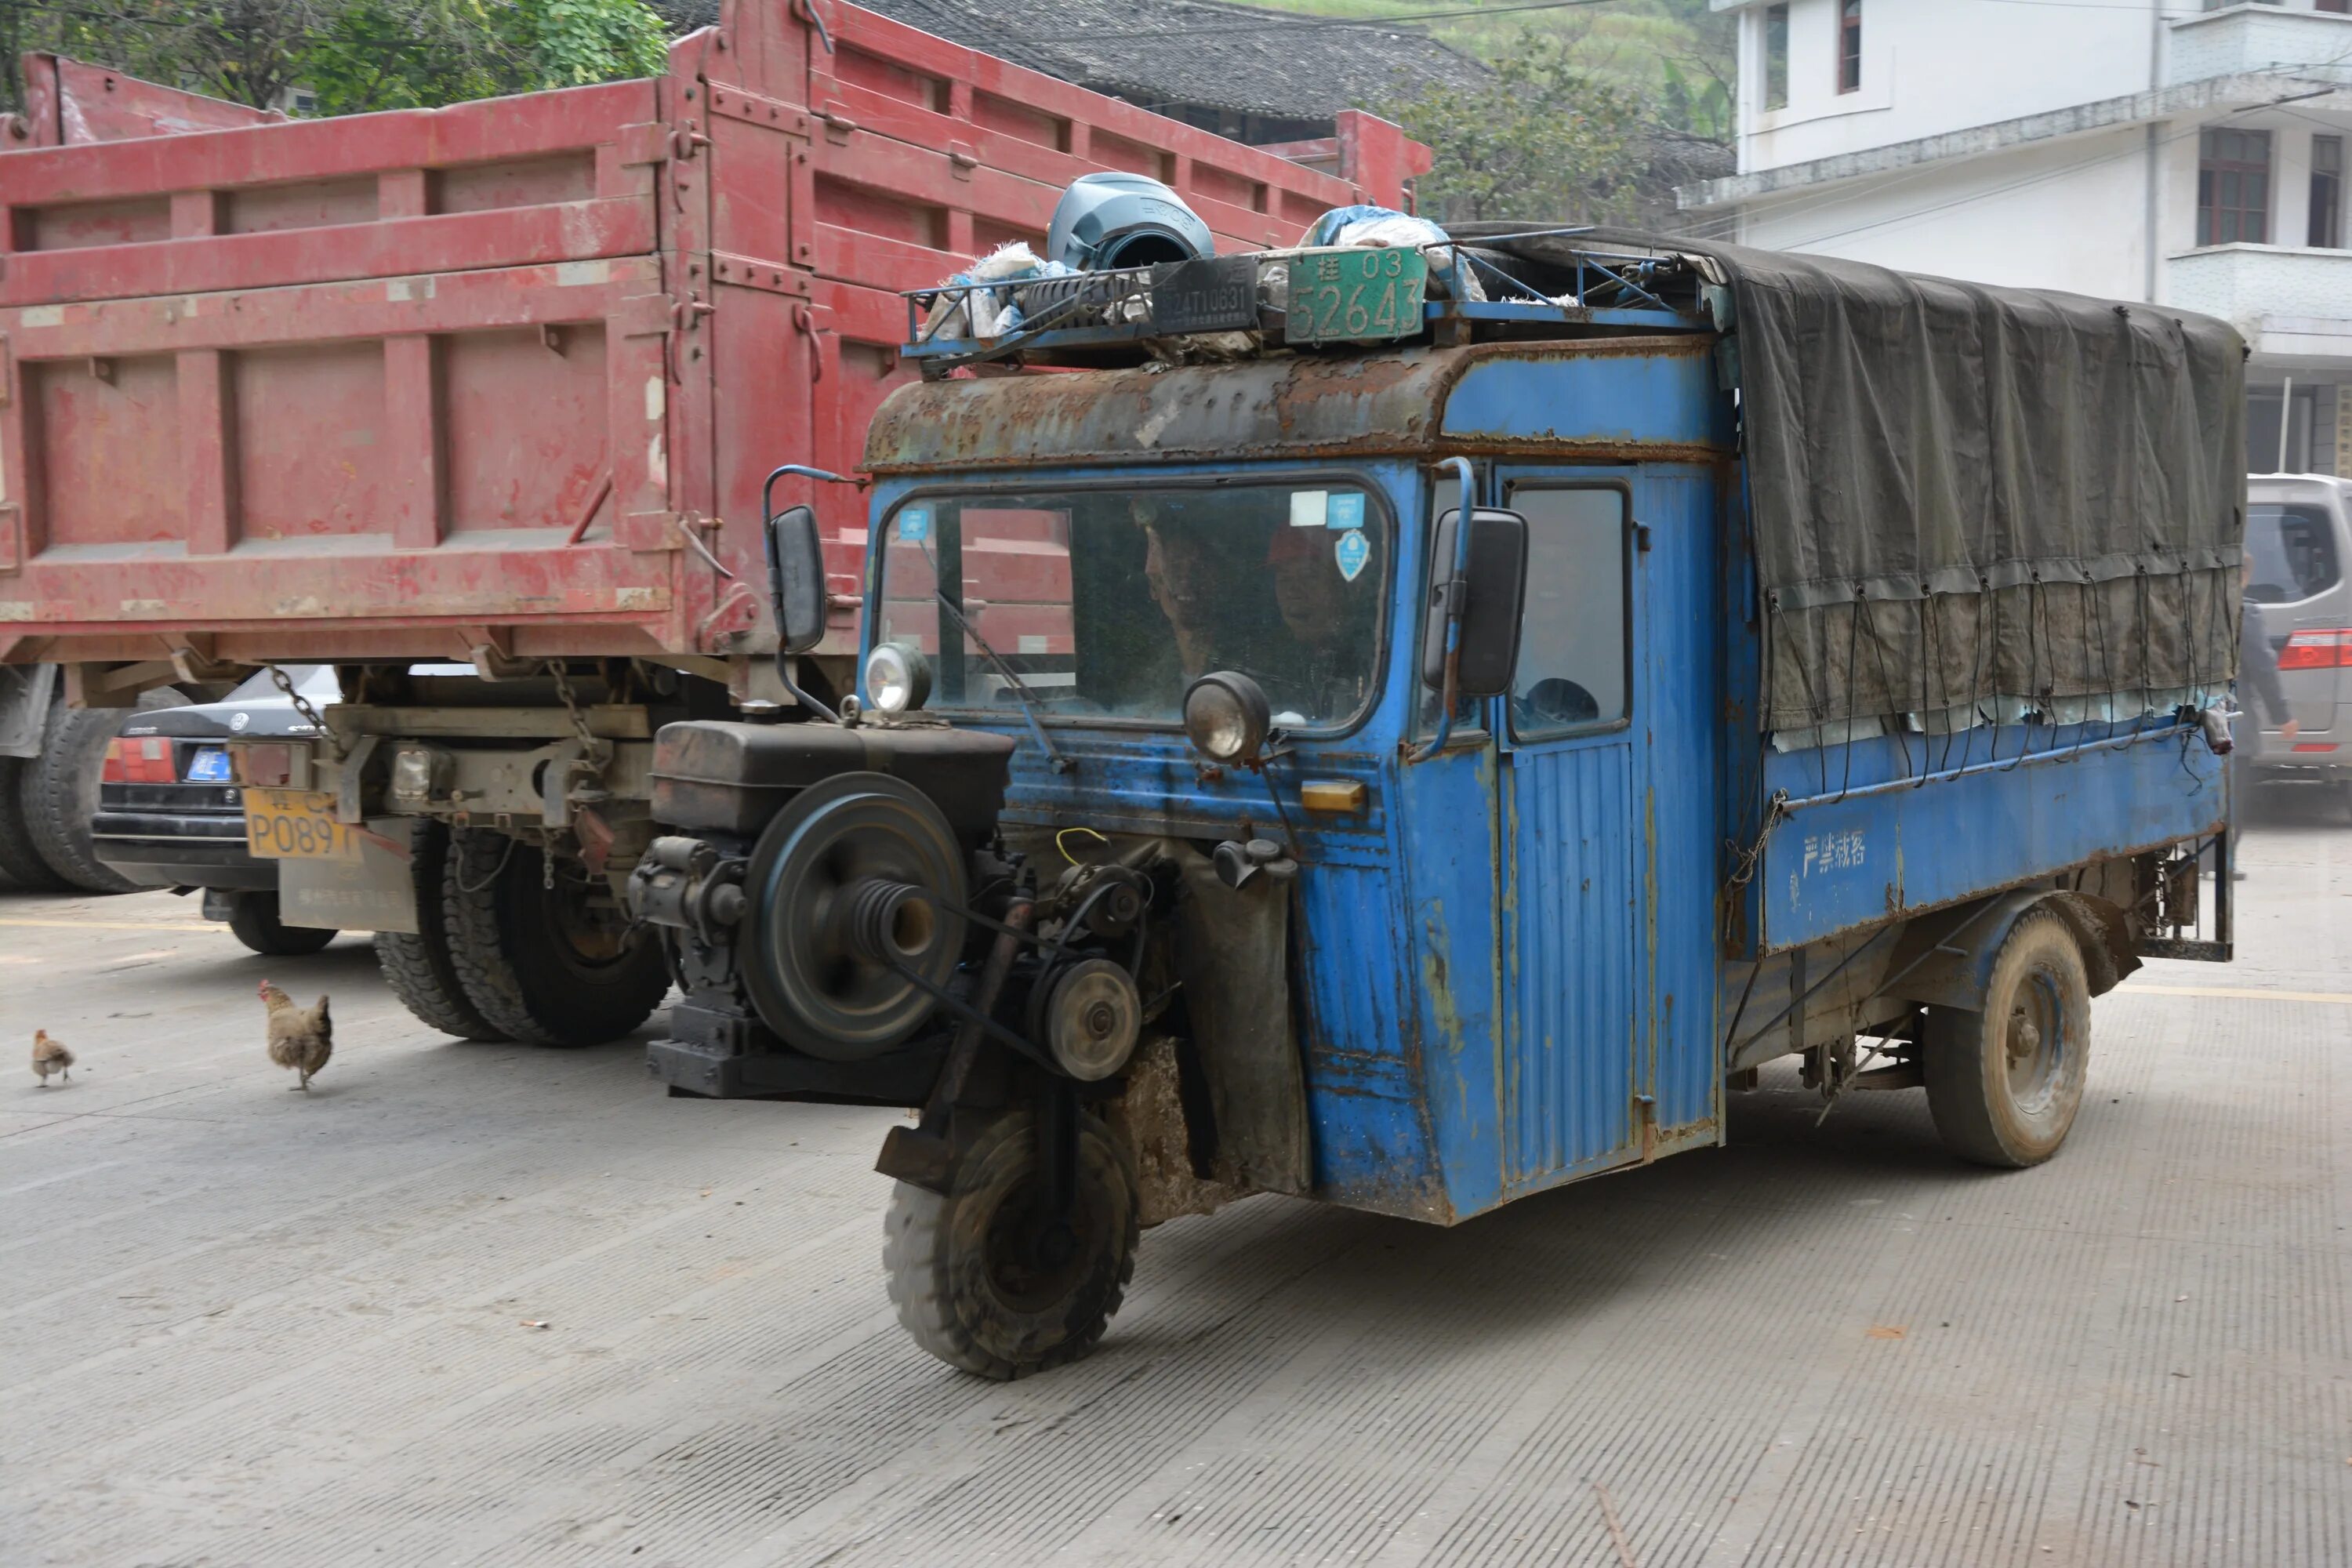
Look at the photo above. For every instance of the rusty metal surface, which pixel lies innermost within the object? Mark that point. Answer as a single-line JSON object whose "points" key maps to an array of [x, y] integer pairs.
{"points": [[1296, 406], [1388, 402]]}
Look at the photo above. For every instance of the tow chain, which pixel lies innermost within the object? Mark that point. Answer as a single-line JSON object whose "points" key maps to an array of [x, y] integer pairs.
{"points": [[1776, 811], [588, 743], [593, 748], [284, 683]]}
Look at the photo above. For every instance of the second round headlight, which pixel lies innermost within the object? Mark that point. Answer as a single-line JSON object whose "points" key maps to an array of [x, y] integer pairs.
{"points": [[897, 678]]}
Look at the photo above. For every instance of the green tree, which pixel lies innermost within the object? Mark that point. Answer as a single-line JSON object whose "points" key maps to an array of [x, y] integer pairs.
{"points": [[352, 55], [1543, 140], [571, 43]]}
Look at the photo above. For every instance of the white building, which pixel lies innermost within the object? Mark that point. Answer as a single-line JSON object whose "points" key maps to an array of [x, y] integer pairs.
{"points": [[2192, 153]]}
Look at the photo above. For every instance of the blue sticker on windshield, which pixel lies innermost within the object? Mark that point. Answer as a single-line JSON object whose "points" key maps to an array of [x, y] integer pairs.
{"points": [[1352, 551], [1345, 510], [914, 525]]}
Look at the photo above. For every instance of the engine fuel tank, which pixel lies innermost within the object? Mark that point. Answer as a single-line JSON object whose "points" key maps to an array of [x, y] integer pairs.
{"points": [[725, 777]]}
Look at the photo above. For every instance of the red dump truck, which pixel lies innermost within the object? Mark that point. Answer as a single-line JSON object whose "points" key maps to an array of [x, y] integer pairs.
{"points": [[476, 404]]}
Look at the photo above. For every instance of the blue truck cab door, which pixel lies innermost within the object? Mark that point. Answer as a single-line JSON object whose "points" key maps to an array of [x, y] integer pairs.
{"points": [[1604, 788]]}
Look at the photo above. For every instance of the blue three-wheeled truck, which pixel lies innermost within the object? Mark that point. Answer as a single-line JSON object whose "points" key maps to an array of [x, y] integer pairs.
{"points": [[1412, 728]]}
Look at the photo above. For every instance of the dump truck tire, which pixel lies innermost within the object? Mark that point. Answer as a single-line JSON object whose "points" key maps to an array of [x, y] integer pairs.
{"points": [[419, 968], [21, 864], [961, 1282], [2004, 1084], [57, 792], [544, 965], [254, 920]]}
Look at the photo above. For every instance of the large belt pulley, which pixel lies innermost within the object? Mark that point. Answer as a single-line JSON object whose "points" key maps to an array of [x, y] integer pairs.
{"points": [[856, 891]]}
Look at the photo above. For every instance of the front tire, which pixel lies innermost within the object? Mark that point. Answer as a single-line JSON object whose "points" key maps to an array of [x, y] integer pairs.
{"points": [[255, 919], [2003, 1085], [968, 1276], [546, 965]]}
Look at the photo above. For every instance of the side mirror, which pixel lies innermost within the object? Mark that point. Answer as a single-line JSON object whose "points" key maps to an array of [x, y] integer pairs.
{"points": [[1485, 599], [796, 579]]}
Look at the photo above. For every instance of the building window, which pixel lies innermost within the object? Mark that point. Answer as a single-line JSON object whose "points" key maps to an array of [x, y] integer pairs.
{"points": [[1849, 45], [2233, 187], [2326, 191], [2340, 7], [1776, 57]]}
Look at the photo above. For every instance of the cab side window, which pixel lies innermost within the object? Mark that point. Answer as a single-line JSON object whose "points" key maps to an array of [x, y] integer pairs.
{"points": [[1571, 670]]}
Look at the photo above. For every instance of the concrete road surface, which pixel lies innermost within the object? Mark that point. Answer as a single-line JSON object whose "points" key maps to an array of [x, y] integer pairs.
{"points": [[249, 1326]]}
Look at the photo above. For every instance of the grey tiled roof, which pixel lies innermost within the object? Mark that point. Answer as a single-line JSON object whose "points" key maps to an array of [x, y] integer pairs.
{"points": [[1158, 53]]}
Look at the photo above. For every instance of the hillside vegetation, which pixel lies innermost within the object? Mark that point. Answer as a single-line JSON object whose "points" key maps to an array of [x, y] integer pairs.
{"points": [[1675, 56]]}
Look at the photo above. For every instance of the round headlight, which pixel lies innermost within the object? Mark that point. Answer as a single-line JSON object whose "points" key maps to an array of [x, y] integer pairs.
{"points": [[1225, 717], [897, 678]]}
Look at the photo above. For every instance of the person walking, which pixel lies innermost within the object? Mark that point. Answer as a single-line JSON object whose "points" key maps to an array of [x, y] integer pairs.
{"points": [[2258, 680]]}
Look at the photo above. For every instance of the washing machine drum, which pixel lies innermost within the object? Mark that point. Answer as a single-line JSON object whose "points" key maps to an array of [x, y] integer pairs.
{"points": [[1111, 220]]}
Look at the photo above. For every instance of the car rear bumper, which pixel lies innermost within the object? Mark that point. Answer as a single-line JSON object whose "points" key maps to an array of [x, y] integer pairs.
{"points": [[2277, 761], [188, 851]]}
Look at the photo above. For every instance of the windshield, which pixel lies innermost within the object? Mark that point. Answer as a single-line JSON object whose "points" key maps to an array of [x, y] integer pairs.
{"points": [[1108, 603]]}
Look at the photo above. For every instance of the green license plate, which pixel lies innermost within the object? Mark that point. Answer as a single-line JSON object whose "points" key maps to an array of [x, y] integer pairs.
{"points": [[1356, 296]]}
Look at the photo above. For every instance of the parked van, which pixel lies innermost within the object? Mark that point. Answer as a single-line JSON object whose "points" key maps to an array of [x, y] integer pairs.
{"points": [[2299, 573]]}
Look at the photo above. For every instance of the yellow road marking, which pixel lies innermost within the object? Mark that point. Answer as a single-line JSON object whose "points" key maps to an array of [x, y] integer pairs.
{"points": [[110, 925], [2341, 999]]}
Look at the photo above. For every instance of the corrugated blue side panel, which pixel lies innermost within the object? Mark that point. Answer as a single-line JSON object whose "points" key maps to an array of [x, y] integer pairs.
{"points": [[1836, 865], [1371, 1147], [1575, 964], [1678, 818], [1449, 947]]}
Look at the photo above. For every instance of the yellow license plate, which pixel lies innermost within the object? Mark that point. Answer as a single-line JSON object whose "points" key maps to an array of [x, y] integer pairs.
{"points": [[297, 824]]}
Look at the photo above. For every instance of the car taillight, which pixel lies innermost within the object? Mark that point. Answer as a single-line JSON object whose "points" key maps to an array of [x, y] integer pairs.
{"points": [[141, 760], [2317, 650]]}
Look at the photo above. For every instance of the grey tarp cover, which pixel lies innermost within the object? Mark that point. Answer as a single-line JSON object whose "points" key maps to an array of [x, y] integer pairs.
{"points": [[1968, 495]]}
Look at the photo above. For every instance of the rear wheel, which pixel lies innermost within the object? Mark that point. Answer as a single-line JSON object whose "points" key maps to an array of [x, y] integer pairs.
{"points": [[419, 967], [58, 791], [2004, 1084], [547, 961], [989, 1279], [255, 919], [19, 862]]}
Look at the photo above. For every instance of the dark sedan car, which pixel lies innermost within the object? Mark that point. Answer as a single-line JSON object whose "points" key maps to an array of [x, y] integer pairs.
{"points": [[169, 814]]}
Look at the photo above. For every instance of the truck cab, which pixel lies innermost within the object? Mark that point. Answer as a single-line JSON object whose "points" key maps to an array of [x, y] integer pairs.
{"points": [[1531, 878]]}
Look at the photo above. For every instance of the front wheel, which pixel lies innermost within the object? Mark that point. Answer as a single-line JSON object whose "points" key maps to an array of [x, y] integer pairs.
{"points": [[2004, 1084], [989, 1279]]}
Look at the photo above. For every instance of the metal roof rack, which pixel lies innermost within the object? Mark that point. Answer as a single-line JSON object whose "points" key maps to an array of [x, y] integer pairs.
{"points": [[1316, 299]]}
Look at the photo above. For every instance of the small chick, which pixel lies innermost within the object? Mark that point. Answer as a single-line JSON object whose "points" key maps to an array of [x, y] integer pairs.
{"points": [[299, 1037], [48, 1056]]}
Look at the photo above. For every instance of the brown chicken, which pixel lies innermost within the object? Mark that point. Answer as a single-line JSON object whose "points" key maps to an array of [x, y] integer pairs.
{"points": [[48, 1056], [299, 1037]]}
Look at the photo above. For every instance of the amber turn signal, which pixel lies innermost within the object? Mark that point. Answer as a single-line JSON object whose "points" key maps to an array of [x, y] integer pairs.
{"points": [[1332, 794]]}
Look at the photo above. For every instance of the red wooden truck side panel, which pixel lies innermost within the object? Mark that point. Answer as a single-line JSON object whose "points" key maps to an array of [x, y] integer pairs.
{"points": [[408, 384]]}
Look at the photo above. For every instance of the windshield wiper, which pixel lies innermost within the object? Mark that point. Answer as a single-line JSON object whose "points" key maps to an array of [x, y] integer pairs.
{"points": [[1058, 762]]}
